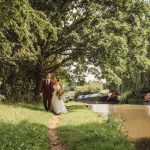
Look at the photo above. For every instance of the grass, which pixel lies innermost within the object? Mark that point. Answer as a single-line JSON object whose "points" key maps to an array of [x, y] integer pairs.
{"points": [[23, 127], [81, 129]]}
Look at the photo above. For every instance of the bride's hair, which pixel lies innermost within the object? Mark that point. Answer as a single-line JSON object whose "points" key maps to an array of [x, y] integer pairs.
{"points": [[58, 79]]}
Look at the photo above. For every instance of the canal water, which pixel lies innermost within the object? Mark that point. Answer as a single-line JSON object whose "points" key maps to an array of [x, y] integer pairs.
{"points": [[136, 124]]}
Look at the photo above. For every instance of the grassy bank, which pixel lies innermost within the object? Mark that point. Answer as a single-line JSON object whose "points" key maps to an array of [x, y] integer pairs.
{"points": [[81, 129], [23, 127]]}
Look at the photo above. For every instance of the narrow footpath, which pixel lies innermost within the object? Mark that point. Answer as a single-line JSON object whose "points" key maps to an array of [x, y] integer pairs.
{"points": [[55, 143]]}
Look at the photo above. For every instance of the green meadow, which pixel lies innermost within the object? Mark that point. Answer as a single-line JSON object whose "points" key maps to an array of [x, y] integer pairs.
{"points": [[81, 129], [24, 127]]}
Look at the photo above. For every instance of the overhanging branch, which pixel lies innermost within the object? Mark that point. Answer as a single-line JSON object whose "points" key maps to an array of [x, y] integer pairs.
{"points": [[57, 66]]}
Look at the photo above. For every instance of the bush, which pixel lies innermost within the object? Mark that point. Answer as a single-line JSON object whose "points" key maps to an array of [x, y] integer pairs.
{"points": [[82, 93], [2, 98], [93, 87], [125, 96]]}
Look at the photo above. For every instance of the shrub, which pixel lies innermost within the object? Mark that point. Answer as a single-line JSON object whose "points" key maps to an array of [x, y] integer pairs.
{"points": [[125, 96], [93, 87]]}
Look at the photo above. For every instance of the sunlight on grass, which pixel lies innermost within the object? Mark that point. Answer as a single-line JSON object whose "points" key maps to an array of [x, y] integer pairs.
{"points": [[24, 126], [17, 112], [81, 129], [78, 114]]}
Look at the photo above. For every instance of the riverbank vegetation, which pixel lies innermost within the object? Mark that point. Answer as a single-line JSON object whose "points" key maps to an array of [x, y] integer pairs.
{"points": [[89, 88], [82, 129]]}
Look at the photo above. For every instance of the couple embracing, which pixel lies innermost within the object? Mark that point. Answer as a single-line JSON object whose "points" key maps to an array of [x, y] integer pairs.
{"points": [[51, 92]]}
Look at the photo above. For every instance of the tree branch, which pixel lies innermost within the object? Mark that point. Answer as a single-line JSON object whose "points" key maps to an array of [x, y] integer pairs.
{"points": [[57, 66]]}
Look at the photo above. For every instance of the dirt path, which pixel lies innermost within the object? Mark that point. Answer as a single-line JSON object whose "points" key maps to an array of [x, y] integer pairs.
{"points": [[55, 143]]}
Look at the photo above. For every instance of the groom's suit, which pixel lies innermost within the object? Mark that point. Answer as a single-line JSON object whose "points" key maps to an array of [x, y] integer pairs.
{"points": [[47, 90]]}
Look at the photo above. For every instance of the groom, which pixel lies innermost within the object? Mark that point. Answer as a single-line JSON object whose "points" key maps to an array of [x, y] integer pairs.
{"points": [[47, 91]]}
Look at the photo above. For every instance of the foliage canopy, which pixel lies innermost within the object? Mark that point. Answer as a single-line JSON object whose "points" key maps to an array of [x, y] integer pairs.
{"points": [[38, 36]]}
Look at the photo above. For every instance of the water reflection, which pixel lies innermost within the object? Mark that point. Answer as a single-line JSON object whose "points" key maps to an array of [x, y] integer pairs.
{"points": [[148, 109], [102, 108], [137, 120]]}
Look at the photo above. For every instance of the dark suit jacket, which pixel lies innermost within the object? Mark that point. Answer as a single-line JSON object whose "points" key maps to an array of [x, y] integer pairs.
{"points": [[47, 90]]}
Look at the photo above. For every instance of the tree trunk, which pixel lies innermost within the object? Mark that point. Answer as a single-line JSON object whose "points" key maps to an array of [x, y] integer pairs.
{"points": [[38, 79]]}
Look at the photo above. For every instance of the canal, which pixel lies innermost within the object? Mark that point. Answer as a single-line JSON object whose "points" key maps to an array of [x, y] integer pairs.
{"points": [[136, 124]]}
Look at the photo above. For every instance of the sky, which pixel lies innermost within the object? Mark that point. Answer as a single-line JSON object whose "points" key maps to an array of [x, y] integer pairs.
{"points": [[90, 77]]}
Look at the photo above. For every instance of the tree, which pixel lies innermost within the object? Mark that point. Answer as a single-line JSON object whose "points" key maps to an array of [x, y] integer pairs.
{"points": [[23, 36], [105, 34]]}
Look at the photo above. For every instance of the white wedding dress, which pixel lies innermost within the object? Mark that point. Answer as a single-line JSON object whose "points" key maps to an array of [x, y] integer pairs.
{"points": [[57, 104]]}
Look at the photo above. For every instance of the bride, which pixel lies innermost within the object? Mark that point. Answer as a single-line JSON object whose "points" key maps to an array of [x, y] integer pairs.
{"points": [[58, 105]]}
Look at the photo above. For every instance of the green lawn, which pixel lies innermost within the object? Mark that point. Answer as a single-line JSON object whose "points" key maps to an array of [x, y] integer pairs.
{"points": [[81, 129], [23, 127]]}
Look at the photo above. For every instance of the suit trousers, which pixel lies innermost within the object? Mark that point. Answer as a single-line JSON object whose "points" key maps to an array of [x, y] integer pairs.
{"points": [[47, 103]]}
